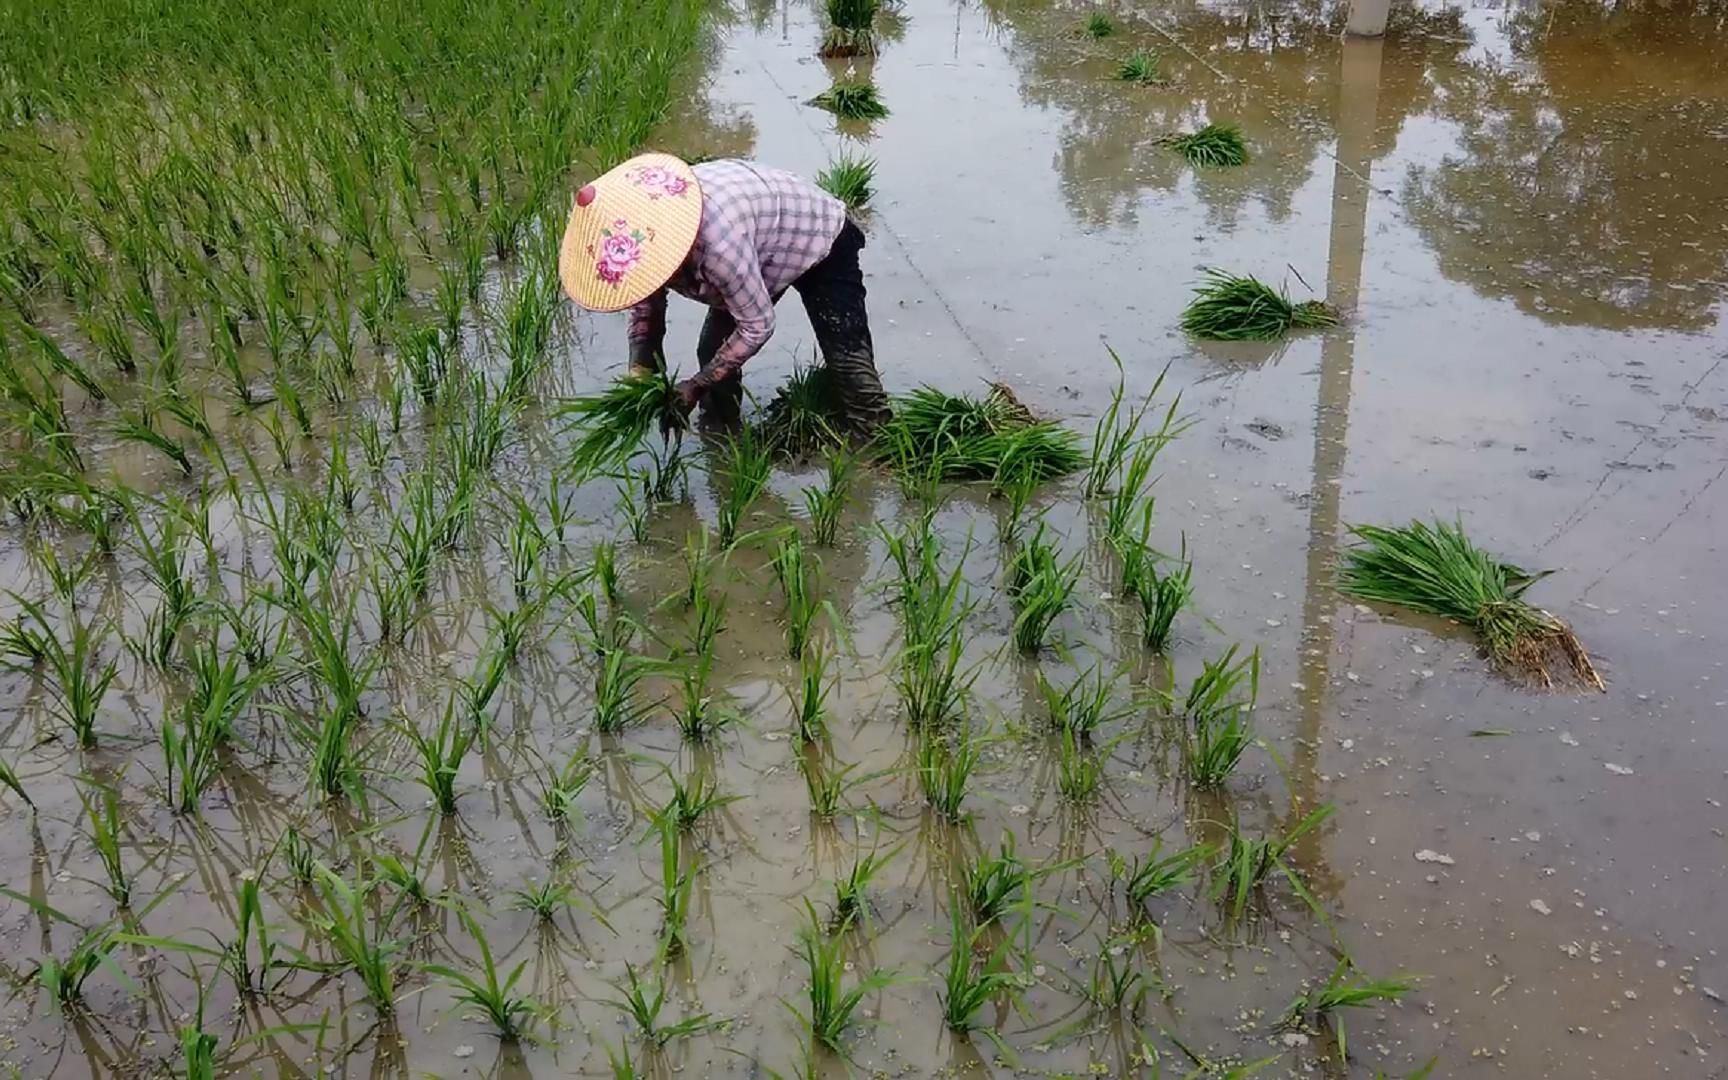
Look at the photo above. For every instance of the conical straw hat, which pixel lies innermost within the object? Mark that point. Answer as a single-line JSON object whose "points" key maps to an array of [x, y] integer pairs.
{"points": [[629, 232]]}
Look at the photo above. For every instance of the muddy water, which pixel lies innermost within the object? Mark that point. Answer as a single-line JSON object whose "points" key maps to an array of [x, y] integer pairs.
{"points": [[1521, 212]]}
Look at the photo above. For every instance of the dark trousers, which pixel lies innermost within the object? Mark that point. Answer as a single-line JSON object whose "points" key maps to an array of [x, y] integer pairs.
{"points": [[833, 295]]}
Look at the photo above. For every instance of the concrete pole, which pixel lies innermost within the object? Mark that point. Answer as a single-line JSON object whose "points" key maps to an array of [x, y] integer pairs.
{"points": [[1367, 17]]}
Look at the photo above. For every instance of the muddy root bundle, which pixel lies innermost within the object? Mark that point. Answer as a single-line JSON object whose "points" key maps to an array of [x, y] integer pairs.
{"points": [[977, 438], [613, 422], [1231, 307], [1439, 571]]}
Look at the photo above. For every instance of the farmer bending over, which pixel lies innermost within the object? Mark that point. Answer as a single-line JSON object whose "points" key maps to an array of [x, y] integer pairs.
{"points": [[732, 235]]}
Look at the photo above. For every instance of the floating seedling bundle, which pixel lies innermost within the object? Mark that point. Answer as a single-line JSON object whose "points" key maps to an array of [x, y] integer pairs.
{"points": [[852, 99], [1438, 570], [965, 438], [1232, 307], [1213, 146]]}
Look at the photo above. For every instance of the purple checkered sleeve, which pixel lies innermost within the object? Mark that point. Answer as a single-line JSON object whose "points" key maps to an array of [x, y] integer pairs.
{"points": [[761, 228]]}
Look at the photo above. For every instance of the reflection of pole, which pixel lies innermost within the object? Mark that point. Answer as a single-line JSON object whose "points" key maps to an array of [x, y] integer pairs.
{"points": [[1367, 17], [1358, 102]]}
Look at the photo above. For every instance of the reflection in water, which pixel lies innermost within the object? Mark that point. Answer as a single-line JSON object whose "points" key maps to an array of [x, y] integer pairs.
{"points": [[1269, 70], [1591, 193]]}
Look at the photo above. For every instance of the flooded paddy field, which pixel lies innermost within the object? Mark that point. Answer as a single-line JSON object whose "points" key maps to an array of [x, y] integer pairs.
{"points": [[1517, 210]]}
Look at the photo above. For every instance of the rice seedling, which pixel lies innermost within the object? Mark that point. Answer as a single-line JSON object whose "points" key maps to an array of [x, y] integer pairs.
{"points": [[566, 786], [970, 438], [849, 179], [440, 755], [1117, 985], [612, 423], [197, 1049], [1142, 68], [63, 978], [852, 99], [10, 780], [299, 856], [827, 787], [1162, 596], [63, 364], [78, 678], [106, 835], [616, 703], [831, 1004], [994, 885], [642, 1003], [934, 611], [851, 893], [1099, 26], [525, 326], [1078, 770], [192, 744], [138, 425], [1218, 731], [1211, 147], [688, 806], [405, 877], [513, 1014], [1231, 307], [810, 701], [676, 883], [796, 585], [357, 936], [1440, 571], [969, 984], [850, 29], [1345, 988], [1157, 873], [1246, 864], [826, 503], [945, 768], [1041, 587], [697, 714], [1083, 706], [525, 547], [747, 464]]}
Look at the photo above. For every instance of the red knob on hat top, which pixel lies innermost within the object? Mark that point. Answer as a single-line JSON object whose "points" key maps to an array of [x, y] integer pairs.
{"points": [[586, 195]]}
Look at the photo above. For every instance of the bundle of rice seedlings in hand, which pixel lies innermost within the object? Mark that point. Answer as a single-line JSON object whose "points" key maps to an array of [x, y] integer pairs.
{"points": [[613, 422], [1213, 146], [852, 99], [973, 438], [1231, 307], [850, 180], [1439, 571]]}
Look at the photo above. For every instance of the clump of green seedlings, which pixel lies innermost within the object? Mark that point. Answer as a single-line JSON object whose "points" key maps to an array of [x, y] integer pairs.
{"points": [[1439, 570], [106, 836], [827, 786], [1079, 770], [440, 754], [810, 700], [1246, 864], [612, 423], [78, 678], [1041, 586], [690, 804], [851, 28], [935, 608], [851, 893], [968, 983], [1217, 725], [1142, 68], [744, 471], [831, 1004], [1099, 25], [796, 583], [1239, 307], [1084, 705], [852, 99], [566, 785], [826, 503], [356, 933], [193, 741], [965, 438], [617, 703], [1214, 146], [849, 179], [945, 765], [1158, 873], [992, 885], [800, 419], [676, 884], [1345, 988], [1162, 594], [511, 1013], [643, 1004]]}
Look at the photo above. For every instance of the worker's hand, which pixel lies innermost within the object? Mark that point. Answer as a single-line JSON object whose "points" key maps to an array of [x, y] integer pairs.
{"points": [[684, 398]]}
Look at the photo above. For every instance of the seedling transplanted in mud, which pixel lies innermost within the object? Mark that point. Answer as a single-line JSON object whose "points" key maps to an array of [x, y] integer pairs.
{"points": [[512, 1014], [1041, 585], [1142, 68], [1439, 570], [1345, 988], [1233, 307], [797, 585], [746, 463], [945, 764], [826, 503], [1217, 721], [643, 1002], [1212, 146], [969, 984], [1158, 873], [934, 608], [1246, 864], [852, 99], [849, 179], [1083, 706], [1162, 596], [1099, 25], [831, 1004], [851, 893]]}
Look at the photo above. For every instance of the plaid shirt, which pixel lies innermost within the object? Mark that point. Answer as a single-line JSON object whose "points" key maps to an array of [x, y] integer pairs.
{"points": [[761, 228]]}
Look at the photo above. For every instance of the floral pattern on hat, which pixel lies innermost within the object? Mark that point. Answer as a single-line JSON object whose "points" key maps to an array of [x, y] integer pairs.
{"points": [[620, 248], [659, 180]]}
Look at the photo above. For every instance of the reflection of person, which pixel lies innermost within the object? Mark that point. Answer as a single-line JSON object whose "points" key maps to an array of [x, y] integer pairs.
{"points": [[735, 236]]}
